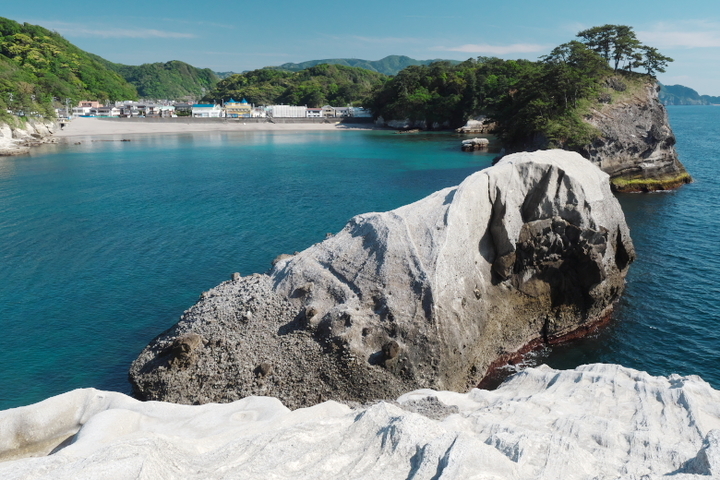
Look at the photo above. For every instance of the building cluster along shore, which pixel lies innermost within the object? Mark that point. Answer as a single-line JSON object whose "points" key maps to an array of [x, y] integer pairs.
{"points": [[226, 109]]}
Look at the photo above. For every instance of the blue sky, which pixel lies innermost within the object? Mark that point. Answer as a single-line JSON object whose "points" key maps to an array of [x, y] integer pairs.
{"points": [[238, 35]]}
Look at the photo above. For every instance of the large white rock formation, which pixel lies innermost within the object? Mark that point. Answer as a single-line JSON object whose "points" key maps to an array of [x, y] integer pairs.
{"points": [[594, 422], [425, 296]]}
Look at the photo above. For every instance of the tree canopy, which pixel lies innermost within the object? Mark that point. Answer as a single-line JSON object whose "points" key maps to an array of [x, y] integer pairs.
{"points": [[316, 86], [620, 47], [37, 65], [390, 65], [174, 80]]}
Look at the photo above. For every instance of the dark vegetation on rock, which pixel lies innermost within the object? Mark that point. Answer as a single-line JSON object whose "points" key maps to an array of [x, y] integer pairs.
{"points": [[540, 102], [586, 96]]}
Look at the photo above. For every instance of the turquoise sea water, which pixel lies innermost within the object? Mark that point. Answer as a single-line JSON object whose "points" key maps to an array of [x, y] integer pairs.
{"points": [[104, 244]]}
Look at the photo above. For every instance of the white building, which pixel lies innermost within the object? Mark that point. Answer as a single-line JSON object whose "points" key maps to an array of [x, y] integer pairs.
{"points": [[166, 110], [207, 110], [292, 111], [342, 111], [314, 112], [108, 111], [81, 111]]}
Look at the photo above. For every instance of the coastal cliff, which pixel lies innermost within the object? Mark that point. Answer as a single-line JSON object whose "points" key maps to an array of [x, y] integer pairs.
{"points": [[596, 421], [18, 139], [636, 145], [430, 295]]}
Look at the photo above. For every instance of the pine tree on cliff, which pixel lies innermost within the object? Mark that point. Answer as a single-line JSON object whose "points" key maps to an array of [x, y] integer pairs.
{"points": [[619, 45]]}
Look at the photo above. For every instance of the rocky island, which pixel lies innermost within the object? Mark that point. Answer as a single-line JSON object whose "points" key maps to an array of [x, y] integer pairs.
{"points": [[430, 295], [596, 95]]}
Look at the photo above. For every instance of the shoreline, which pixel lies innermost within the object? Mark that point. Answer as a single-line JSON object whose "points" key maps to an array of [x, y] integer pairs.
{"points": [[84, 127]]}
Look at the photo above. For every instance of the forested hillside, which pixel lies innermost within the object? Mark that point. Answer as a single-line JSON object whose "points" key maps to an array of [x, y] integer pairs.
{"points": [[532, 102], [37, 65], [316, 86], [389, 65], [174, 80]]}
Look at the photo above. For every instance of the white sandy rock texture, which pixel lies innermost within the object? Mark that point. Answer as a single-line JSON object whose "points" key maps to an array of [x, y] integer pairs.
{"points": [[425, 296], [17, 140], [594, 422]]}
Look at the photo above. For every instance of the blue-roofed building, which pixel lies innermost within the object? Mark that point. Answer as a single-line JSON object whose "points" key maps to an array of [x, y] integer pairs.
{"points": [[235, 109]]}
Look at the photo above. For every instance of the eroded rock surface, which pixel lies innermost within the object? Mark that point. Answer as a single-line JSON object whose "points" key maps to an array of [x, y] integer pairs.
{"points": [[17, 140], [425, 296], [637, 145], [594, 422]]}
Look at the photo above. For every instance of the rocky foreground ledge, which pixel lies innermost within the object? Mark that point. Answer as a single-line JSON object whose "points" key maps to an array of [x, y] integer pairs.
{"points": [[17, 140], [431, 295], [597, 421]]}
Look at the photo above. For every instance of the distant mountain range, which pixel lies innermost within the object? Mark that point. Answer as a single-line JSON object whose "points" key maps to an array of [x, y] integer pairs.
{"points": [[389, 65], [681, 95]]}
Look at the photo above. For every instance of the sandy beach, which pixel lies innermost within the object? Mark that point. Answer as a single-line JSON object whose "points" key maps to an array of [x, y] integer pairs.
{"points": [[81, 126]]}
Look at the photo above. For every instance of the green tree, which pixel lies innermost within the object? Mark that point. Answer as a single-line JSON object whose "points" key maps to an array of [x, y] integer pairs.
{"points": [[626, 46], [37, 65], [601, 39], [652, 60], [619, 45]]}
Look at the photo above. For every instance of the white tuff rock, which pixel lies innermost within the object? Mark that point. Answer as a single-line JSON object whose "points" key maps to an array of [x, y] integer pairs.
{"points": [[597, 421], [17, 140]]}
